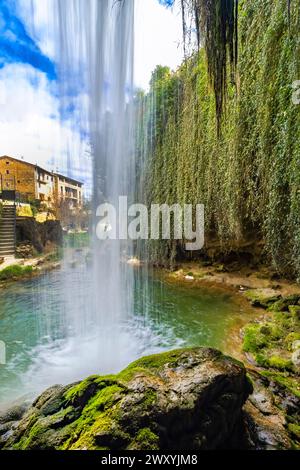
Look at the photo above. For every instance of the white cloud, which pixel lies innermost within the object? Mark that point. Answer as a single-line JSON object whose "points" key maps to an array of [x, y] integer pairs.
{"points": [[38, 16], [30, 126], [158, 39]]}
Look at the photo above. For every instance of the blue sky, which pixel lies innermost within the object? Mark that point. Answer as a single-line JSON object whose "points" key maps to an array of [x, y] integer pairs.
{"points": [[34, 123], [167, 3], [16, 46]]}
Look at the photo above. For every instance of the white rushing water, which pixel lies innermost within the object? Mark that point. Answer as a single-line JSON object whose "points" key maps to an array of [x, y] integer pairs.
{"points": [[100, 322], [94, 50], [95, 41]]}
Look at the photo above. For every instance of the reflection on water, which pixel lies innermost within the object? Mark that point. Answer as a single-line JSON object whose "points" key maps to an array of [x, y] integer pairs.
{"points": [[51, 336]]}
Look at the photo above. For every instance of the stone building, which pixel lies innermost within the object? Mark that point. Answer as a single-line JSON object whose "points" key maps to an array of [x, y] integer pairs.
{"points": [[69, 190], [33, 183]]}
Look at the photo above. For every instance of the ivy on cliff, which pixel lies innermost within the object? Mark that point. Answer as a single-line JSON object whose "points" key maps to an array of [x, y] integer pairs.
{"points": [[248, 177]]}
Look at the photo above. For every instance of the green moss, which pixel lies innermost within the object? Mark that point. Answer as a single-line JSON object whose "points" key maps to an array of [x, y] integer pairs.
{"points": [[98, 398], [26, 442], [149, 398], [25, 439], [83, 437], [78, 391], [98, 422], [270, 341], [254, 339], [283, 305], [259, 298], [285, 380], [104, 399], [147, 363], [294, 429], [280, 363], [290, 339], [295, 311], [261, 360], [15, 271], [146, 440]]}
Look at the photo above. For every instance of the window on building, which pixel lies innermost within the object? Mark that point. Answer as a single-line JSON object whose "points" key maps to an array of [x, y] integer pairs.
{"points": [[7, 163], [7, 172]]}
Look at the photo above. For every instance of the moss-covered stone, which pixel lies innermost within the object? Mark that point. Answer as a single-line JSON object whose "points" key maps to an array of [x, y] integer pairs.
{"points": [[145, 440], [259, 298], [164, 401], [271, 341], [294, 430], [279, 363], [284, 379], [283, 304]]}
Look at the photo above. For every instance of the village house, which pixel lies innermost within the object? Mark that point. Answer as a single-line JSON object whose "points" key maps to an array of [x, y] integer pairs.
{"points": [[69, 190], [33, 183]]}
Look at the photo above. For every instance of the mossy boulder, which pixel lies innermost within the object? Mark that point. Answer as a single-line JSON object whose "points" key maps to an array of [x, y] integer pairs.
{"points": [[283, 305], [274, 344], [184, 399], [259, 298], [271, 341]]}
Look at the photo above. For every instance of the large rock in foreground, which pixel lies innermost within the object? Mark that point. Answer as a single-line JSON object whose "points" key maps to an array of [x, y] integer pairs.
{"points": [[185, 399]]}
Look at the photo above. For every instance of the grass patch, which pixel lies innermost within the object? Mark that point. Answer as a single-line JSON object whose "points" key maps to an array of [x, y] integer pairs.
{"points": [[15, 271]]}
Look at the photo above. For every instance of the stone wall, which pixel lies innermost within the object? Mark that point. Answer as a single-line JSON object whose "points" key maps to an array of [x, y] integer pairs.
{"points": [[24, 174]]}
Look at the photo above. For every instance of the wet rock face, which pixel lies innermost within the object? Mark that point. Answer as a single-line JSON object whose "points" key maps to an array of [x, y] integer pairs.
{"points": [[186, 399], [9, 421], [265, 420], [39, 234]]}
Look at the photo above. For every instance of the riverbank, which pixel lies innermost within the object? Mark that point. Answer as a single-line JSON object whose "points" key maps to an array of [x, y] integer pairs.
{"points": [[238, 278], [264, 291], [269, 343], [16, 269]]}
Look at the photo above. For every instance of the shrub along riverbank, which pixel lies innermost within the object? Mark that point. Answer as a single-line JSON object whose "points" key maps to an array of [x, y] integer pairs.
{"points": [[15, 272]]}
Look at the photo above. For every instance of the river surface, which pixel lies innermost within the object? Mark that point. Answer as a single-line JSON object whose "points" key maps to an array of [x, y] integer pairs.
{"points": [[50, 338]]}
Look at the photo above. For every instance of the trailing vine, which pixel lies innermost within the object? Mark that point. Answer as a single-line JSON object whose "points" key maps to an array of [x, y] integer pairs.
{"points": [[248, 177], [216, 26]]}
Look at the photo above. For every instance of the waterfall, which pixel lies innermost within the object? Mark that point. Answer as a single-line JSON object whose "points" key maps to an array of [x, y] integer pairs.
{"points": [[95, 319], [96, 43]]}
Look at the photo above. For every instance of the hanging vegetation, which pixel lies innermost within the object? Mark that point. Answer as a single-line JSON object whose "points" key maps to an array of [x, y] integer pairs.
{"points": [[216, 24], [248, 178]]}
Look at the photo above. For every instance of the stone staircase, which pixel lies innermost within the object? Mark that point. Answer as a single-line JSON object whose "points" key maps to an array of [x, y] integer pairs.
{"points": [[7, 231]]}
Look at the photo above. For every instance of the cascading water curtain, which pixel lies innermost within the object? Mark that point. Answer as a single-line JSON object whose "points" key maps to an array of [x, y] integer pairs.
{"points": [[95, 44]]}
